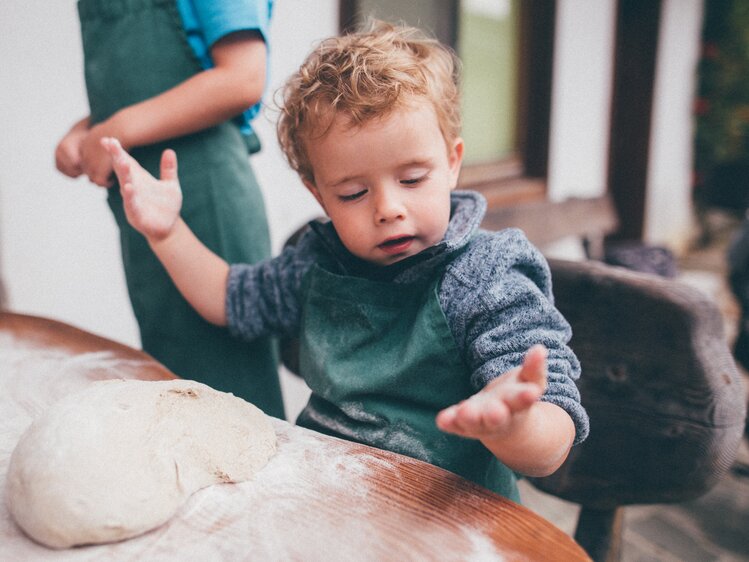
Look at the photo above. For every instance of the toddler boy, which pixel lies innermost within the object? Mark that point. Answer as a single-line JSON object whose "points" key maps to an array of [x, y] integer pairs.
{"points": [[419, 332]]}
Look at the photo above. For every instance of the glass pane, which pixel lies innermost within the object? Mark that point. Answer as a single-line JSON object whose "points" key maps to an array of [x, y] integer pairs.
{"points": [[488, 47]]}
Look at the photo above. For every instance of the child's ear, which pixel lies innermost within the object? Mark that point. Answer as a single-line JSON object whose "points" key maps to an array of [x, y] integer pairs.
{"points": [[454, 160], [315, 193]]}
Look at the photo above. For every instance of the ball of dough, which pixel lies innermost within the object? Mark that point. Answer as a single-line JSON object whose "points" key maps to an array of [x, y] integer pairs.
{"points": [[120, 457]]}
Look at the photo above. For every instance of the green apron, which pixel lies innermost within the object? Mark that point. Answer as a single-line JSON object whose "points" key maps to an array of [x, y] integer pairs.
{"points": [[134, 50], [381, 362]]}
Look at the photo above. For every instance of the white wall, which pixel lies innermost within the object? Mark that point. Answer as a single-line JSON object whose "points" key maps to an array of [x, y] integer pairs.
{"points": [[58, 251], [297, 25], [668, 215], [581, 98]]}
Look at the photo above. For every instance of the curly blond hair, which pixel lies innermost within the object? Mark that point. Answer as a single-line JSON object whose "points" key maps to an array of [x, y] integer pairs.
{"points": [[364, 76]]}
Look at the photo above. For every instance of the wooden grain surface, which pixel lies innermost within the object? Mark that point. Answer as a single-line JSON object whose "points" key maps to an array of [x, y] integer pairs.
{"points": [[318, 498]]}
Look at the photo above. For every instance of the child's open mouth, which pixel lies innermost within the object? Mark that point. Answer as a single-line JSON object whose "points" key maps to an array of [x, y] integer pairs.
{"points": [[396, 245]]}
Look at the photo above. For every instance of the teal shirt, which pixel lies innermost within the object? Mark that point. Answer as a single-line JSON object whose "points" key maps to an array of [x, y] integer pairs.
{"points": [[207, 21]]}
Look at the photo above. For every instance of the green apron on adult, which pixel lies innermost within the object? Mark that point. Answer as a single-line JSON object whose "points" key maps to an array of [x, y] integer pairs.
{"points": [[134, 50], [381, 362]]}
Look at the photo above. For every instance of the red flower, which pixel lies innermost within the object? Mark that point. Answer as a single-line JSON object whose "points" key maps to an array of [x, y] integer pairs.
{"points": [[710, 51], [701, 106], [698, 178]]}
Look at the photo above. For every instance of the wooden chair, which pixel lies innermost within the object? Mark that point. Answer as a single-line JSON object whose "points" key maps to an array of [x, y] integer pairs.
{"points": [[665, 400]]}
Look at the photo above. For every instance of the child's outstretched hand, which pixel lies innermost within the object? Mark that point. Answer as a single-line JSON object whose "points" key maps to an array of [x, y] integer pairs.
{"points": [[152, 206], [498, 408]]}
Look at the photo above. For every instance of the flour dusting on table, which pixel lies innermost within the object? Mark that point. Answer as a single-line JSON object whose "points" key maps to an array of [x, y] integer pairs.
{"points": [[317, 499]]}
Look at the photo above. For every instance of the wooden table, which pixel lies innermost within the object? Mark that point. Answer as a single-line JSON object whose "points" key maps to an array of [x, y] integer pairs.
{"points": [[318, 498]]}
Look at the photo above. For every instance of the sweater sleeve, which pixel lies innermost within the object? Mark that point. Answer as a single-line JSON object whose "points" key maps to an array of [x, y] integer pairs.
{"points": [[498, 302], [265, 298]]}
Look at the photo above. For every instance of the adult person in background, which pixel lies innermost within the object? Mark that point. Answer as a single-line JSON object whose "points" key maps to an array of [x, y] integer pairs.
{"points": [[188, 75]]}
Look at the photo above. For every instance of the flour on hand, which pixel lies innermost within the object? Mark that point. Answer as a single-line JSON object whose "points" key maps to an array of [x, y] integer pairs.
{"points": [[120, 457]]}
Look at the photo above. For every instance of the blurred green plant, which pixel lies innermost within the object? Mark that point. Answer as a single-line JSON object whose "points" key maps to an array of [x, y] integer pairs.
{"points": [[721, 156]]}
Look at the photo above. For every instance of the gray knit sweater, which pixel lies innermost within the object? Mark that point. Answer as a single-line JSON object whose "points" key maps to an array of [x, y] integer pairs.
{"points": [[495, 292]]}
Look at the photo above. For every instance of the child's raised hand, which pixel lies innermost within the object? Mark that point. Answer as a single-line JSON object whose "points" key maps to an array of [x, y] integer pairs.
{"points": [[152, 206], [496, 410]]}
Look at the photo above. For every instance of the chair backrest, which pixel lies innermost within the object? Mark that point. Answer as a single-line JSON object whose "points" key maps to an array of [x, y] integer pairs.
{"points": [[658, 380]]}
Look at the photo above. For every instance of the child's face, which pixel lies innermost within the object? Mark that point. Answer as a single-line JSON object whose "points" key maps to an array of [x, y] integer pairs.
{"points": [[386, 185]]}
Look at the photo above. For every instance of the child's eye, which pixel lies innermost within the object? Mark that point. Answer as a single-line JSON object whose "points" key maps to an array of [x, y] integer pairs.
{"points": [[413, 181], [353, 196]]}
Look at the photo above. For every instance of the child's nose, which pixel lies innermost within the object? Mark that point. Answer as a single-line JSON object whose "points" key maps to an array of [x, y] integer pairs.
{"points": [[388, 207]]}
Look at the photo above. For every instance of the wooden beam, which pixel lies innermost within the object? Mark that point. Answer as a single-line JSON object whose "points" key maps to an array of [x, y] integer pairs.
{"points": [[537, 23], [634, 75], [544, 222]]}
